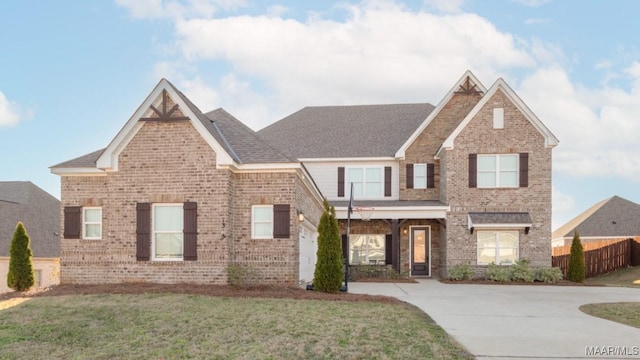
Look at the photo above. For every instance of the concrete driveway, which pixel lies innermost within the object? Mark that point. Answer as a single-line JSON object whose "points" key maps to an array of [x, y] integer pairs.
{"points": [[523, 322]]}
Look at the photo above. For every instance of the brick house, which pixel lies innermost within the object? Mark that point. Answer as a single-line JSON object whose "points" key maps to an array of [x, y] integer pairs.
{"points": [[178, 195], [466, 181]]}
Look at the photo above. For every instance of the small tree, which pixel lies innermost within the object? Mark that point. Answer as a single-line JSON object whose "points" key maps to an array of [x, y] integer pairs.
{"points": [[577, 269], [328, 274], [20, 275]]}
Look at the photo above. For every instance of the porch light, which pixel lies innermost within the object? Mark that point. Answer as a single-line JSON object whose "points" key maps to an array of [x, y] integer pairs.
{"points": [[300, 216]]}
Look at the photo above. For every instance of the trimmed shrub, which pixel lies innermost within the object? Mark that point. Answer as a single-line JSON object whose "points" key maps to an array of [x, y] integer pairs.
{"points": [[329, 272], [461, 272], [20, 276], [241, 276], [499, 273], [520, 271], [548, 275], [577, 269]]}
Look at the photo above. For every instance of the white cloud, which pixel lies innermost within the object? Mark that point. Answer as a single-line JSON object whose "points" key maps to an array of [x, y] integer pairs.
{"points": [[597, 127], [382, 52], [177, 9], [564, 206], [11, 113], [535, 21], [445, 6], [531, 3]]}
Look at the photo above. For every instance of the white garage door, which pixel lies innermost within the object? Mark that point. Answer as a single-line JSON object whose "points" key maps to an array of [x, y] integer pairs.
{"points": [[308, 249]]}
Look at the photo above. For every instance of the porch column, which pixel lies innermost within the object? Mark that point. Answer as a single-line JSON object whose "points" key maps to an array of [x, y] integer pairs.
{"points": [[395, 245]]}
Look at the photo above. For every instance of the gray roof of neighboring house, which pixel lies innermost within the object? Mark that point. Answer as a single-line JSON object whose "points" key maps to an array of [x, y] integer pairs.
{"points": [[240, 142], [346, 131], [612, 217], [38, 211]]}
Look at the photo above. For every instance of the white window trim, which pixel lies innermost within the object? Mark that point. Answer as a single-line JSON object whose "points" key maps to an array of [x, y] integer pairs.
{"points": [[497, 231], [497, 171], [364, 181], [85, 223], [498, 118], [154, 232], [253, 222], [426, 175]]}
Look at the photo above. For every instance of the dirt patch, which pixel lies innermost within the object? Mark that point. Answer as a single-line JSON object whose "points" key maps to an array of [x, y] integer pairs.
{"points": [[207, 290]]}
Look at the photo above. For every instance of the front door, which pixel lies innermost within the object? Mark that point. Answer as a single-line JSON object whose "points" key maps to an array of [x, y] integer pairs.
{"points": [[420, 243]]}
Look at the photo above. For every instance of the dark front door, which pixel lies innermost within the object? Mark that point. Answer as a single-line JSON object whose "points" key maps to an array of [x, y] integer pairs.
{"points": [[420, 240]]}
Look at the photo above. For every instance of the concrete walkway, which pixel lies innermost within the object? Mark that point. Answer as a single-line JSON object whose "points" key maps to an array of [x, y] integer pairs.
{"points": [[520, 322]]}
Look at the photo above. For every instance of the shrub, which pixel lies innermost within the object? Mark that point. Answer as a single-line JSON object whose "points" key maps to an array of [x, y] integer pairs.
{"points": [[520, 271], [328, 273], [20, 276], [576, 270], [498, 273], [548, 275], [241, 276], [461, 272]]}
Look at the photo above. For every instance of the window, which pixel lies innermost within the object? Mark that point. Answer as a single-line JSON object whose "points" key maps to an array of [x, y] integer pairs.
{"points": [[367, 249], [91, 223], [168, 235], [37, 278], [262, 222], [419, 176], [367, 182], [500, 247], [498, 171], [498, 118]]}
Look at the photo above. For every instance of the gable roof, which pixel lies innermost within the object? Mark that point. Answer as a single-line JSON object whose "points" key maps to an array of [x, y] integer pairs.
{"points": [[500, 85], [38, 211], [233, 142], [368, 131], [469, 81], [612, 217]]}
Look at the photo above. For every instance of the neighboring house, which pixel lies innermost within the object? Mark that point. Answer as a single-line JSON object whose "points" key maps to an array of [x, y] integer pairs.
{"points": [[467, 181], [614, 218], [179, 195], [22, 201]]}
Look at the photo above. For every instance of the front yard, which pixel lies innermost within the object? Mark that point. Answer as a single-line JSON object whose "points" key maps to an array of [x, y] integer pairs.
{"points": [[182, 326]]}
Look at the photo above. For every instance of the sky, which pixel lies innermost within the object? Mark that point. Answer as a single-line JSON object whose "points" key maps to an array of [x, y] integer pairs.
{"points": [[73, 72]]}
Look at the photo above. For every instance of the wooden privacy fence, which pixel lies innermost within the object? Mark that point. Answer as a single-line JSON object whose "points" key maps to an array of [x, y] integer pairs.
{"points": [[605, 259]]}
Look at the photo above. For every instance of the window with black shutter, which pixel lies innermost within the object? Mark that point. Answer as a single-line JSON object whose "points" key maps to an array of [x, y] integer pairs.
{"points": [[431, 182], [72, 222], [473, 170], [409, 176], [341, 181], [524, 169], [281, 221], [190, 231], [143, 231], [387, 181]]}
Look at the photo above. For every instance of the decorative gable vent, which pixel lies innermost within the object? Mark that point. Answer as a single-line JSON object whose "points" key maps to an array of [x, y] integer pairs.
{"points": [[164, 108]]}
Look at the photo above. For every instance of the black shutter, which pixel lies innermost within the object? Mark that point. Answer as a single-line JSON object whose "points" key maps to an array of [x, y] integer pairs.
{"points": [[143, 231], [345, 247], [524, 169], [190, 231], [409, 176], [341, 181], [387, 181], [473, 170], [388, 247], [281, 221], [72, 222], [431, 176]]}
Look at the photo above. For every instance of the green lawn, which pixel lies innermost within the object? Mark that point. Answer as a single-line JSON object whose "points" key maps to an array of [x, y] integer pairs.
{"points": [[624, 313], [171, 326], [629, 277]]}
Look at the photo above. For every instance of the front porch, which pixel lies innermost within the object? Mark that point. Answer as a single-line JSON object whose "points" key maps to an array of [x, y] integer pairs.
{"points": [[407, 236]]}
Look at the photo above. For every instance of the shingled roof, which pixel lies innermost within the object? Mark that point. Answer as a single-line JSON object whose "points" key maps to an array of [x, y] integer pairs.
{"points": [[346, 131], [238, 140], [612, 217], [38, 211]]}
